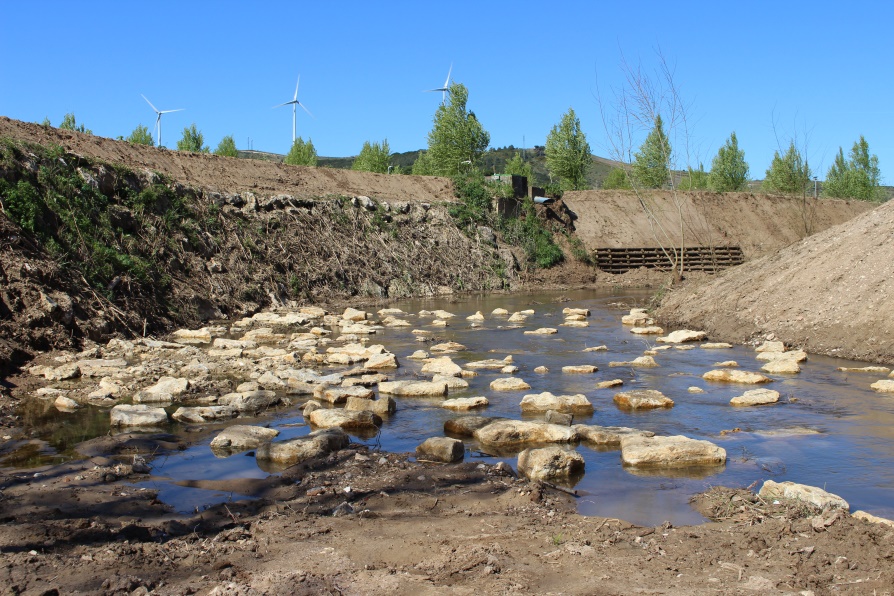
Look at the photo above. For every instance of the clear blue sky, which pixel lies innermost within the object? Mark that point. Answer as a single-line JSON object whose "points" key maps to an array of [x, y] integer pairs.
{"points": [[821, 70]]}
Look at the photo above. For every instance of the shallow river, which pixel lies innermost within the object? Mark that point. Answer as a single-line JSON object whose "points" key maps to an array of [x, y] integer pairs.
{"points": [[829, 429]]}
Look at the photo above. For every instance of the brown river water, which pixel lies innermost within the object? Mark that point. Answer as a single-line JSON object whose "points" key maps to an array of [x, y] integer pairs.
{"points": [[829, 429]]}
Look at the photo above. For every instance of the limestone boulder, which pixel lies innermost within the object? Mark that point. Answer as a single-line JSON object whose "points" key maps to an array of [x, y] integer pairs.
{"points": [[137, 415], [609, 436], [509, 384], [542, 331], [541, 370], [782, 366], [418, 355], [381, 362], [881, 370], [801, 492], [642, 399], [384, 406], [465, 426], [241, 437], [562, 418], [716, 346], [794, 355], [62, 373], [575, 312], [353, 314], [101, 367], [499, 312], [670, 452], [478, 316], [873, 519], [637, 317], [756, 397], [650, 330], [414, 388], [65, 404], [339, 395], [681, 336], [489, 364], [441, 449], [465, 403], [771, 346], [735, 376], [250, 401], [345, 419], [192, 336], [514, 433], [580, 369], [443, 365], [640, 362], [542, 402], [222, 343], [453, 383], [199, 414], [293, 451], [550, 463], [883, 386]]}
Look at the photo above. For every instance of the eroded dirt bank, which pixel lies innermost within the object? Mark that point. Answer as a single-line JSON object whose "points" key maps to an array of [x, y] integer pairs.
{"points": [[759, 224], [829, 294]]}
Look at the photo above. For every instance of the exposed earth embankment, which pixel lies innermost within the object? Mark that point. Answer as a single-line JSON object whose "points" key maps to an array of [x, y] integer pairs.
{"points": [[759, 224], [831, 293]]}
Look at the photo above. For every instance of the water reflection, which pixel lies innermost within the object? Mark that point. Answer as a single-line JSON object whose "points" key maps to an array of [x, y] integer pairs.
{"points": [[828, 430]]}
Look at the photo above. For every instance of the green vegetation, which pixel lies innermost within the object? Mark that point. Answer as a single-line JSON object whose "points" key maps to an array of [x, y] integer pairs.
{"points": [[69, 123], [192, 140], [301, 153], [729, 170], [227, 147], [617, 179], [457, 140], [527, 231], [373, 157], [788, 174], [855, 178], [517, 167], [568, 153], [694, 179], [103, 237], [651, 164], [140, 136]]}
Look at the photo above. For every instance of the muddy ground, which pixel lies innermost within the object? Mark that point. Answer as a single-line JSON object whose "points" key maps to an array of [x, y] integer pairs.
{"points": [[361, 522]]}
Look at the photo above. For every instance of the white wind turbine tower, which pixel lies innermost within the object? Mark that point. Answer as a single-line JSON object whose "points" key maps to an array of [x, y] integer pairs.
{"points": [[295, 103], [446, 88], [158, 114]]}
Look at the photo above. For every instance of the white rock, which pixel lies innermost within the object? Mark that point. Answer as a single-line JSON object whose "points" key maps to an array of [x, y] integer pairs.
{"points": [[609, 384], [669, 452], [883, 386], [606, 435], [443, 365], [476, 317], [414, 388], [199, 414], [550, 463], [580, 369], [643, 399], [756, 397], [651, 330], [314, 445], [882, 370], [241, 437], [381, 362], [542, 402], [640, 362], [802, 492], [465, 403], [383, 406], [453, 383], [716, 346], [137, 415], [512, 433], [345, 419], [66, 404], [771, 346], [441, 449], [596, 349], [509, 384], [783, 365], [682, 335], [735, 376], [543, 331]]}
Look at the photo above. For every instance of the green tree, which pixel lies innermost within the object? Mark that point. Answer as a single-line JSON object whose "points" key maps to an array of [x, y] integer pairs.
{"points": [[788, 174], [192, 140], [617, 179], [227, 147], [301, 153], [69, 123], [457, 140], [373, 157], [651, 164], [729, 171], [140, 136], [694, 179], [857, 178], [517, 167], [568, 153]]}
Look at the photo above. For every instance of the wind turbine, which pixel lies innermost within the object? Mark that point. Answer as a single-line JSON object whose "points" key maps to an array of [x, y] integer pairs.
{"points": [[158, 114], [295, 103], [446, 88]]}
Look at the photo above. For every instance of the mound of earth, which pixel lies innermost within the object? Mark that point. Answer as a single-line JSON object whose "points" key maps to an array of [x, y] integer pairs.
{"points": [[831, 293], [233, 175]]}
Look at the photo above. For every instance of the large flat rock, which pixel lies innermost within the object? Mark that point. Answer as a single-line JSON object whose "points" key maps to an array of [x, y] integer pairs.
{"points": [[543, 402], [550, 463], [293, 451], [513, 433], [670, 452], [801, 492]]}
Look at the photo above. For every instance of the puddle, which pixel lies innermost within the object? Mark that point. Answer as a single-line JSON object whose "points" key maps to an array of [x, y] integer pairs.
{"points": [[829, 429]]}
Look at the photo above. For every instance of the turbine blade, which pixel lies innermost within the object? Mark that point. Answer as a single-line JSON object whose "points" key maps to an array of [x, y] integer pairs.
{"points": [[150, 103], [169, 111], [288, 103], [305, 109], [447, 82], [295, 98]]}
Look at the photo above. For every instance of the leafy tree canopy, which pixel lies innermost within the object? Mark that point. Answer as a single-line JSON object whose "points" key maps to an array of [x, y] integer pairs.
{"points": [[301, 153], [227, 147], [568, 153], [617, 179], [373, 157], [457, 140], [788, 174], [192, 140], [729, 171], [694, 179], [140, 136], [518, 167], [651, 164], [856, 178], [69, 123]]}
